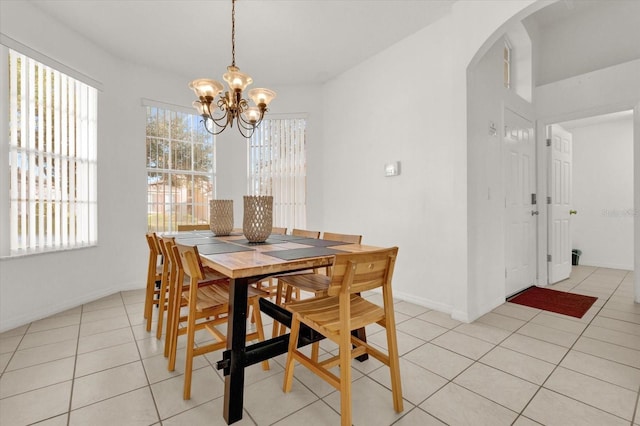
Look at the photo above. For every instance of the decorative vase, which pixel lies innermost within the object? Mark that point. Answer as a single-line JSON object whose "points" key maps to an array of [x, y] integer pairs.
{"points": [[258, 217], [221, 217]]}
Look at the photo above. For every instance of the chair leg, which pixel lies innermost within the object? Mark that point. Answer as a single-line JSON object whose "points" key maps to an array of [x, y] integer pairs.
{"points": [[162, 300], [148, 302], [394, 368], [289, 364], [315, 351], [345, 378], [188, 367]]}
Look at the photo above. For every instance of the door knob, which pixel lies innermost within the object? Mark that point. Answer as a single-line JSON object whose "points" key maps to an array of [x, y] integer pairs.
{"points": [[573, 211], [534, 212]]}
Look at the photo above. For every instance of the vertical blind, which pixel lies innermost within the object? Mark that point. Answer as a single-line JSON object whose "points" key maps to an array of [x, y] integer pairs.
{"points": [[278, 167], [52, 158]]}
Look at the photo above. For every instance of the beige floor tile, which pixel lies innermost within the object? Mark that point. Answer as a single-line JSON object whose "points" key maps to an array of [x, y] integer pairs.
{"points": [[18, 331], [524, 421], [35, 377], [135, 408], [36, 405], [535, 348], [623, 316], [168, 394], [550, 335], [207, 414], [41, 354], [151, 346], [558, 323], [156, 367], [406, 342], [409, 309], [439, 318], [501, 321], [371, 403], [462, 344], [513, 310], [614, 324], [611, 336], [107, 383], [104, 314], [553, 409], [103, 340], [605, 396], [262, 408], [419, 417], [9, 344], [600, 368], [532, 369], [439, 360], [447, 402], [608, 351], [92, 362], [54, 322], [484, 332], [4, 360], [626, 306], [113, 301], [421, 329], [41, 338], [100, 326], [417, 383], [61, 420], [498, 386], [316, 414]]}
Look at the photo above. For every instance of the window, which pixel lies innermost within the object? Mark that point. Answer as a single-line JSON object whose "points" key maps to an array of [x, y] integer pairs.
{"points": [[52, 158], [507, 64], [180, 169], [278, 167]]}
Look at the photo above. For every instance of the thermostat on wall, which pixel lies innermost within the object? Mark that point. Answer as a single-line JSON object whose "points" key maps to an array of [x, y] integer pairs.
{"points": [[392, 169]]}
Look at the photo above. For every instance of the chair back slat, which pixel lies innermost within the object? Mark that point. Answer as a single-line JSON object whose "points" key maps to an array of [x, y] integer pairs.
{"points": [[345, 238], [276, 230], [359, 272], [190, 260], [305, 233]]}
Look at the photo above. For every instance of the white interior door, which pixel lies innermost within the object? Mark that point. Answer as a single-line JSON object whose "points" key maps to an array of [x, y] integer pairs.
{"points": [[560, 172], [520, 211]]}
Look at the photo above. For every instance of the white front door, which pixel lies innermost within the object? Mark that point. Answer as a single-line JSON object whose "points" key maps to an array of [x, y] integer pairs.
{"points": [[520, 212], [560, 171]]}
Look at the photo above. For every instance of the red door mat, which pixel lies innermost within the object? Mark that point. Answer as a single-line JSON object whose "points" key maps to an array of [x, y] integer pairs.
{"points": [[561, 302]]}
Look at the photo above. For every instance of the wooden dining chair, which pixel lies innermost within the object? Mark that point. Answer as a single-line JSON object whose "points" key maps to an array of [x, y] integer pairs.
{"points": [[341, 311], [154, 277], [316, 282], [305, 233], [197, 227], [207, 303]]}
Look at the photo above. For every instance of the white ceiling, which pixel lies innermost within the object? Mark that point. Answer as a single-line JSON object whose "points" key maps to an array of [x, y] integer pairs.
{"points": [[277, 41]]}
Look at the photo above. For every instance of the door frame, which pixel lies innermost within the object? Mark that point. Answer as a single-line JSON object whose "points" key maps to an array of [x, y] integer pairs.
{"points": [[542, 183]]}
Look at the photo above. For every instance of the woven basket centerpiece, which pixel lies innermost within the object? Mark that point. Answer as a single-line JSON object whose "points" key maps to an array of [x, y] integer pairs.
{"points": [[258, 217], [221, 217]]}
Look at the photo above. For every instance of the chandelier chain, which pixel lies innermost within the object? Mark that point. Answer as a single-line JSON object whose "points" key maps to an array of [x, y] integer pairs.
{"points": [[233, 33]]}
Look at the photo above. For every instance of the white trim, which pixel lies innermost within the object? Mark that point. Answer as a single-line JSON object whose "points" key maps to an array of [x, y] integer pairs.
{"points": [[50, 62], [165, 105], [5, 174]]}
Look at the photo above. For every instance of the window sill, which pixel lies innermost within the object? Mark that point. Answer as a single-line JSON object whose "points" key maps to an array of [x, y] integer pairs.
{"points": [[16, 254]]}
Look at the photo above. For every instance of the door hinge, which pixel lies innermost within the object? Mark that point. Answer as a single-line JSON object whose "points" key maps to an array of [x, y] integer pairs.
{"points": [[548, 200], [534, 199], [548, 142], [548, 258]]}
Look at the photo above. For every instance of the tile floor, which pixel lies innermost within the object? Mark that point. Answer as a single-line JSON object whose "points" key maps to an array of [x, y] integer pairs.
{"points": [[96, 365]]}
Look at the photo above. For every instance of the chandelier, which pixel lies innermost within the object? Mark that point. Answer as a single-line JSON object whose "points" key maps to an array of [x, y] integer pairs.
{"points": [[232, 107]]}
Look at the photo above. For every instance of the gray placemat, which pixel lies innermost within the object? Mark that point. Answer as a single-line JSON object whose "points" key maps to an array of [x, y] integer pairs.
{"points": [[302, 253], [197, 241], [220, 248], [316, 242], [268, 241]]}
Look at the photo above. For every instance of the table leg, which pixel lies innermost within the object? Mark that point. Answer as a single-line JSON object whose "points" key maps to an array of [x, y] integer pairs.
{"points": [[236, 343]]}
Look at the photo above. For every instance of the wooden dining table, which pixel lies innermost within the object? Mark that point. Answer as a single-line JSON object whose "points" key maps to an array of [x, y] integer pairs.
{"points": [[246, 263]]}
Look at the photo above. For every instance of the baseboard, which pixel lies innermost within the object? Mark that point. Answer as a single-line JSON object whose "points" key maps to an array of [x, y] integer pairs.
{"points": [[607, 265], [420, 301], [28, 317]]}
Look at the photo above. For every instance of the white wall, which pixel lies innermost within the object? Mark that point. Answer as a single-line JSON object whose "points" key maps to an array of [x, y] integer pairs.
{"points": [[603, 193]]}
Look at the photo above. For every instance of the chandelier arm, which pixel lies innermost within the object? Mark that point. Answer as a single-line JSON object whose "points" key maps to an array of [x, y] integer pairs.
{"points": [[213, 132], [246, 135]]}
